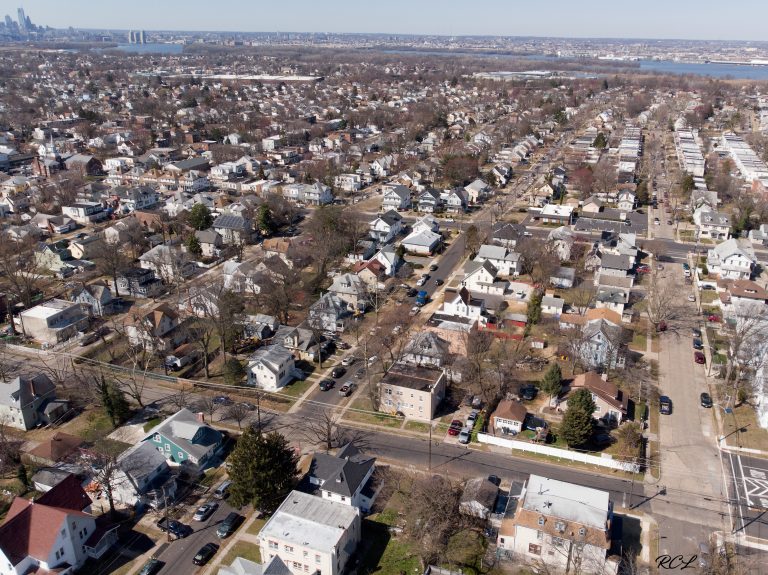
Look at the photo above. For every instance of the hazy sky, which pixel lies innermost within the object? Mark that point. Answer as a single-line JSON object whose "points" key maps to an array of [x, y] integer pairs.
{"points": [[703, 19]]}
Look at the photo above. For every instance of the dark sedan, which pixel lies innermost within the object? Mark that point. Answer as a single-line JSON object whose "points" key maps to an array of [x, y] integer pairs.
{"points": [[705, 400], [698, 344], [205, 554]]}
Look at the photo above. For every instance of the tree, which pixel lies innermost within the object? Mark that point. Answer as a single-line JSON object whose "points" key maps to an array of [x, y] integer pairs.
{"points": [[238, 412], [208, 405], [112, 400], [200, 217], [551, 383], [605, 175], [264, 221], [576, 427], [581, 399], [661, 301], [630, 439], [110, 260], [687, 184], [534, 308], [472, 239], [18, 269], [324, 429], [193, 245], [600, 141], [263, 470], [234, 372], [584, 180]]}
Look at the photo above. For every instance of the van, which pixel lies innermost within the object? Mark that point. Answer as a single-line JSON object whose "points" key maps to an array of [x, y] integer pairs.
{"points": [[222, 490], [228, 526]]}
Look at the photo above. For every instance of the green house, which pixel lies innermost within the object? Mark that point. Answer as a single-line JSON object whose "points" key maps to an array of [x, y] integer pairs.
{"points": [[186, 440]]}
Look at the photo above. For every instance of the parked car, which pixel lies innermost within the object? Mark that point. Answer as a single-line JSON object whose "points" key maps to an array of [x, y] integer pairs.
{"points": [[205, 511], [175, 528], [472, 417], [665, 405], [152, 566], [656, 222], [338, 372], [222, 490], [465, 435], [372, 359], [222, 400], [347, 389], [248, 406], [705, 399], [433, 268], [360, 373], [661, 326], [229, 525], [88, 338], [421, 282], [713, 318], [326, 384], [495, 479], [455, 427], [695, 332], [691, 297], [698, 357], [412, 292], [686, 266], [439, 282], [698, 344], [205, 554], [644, 269], [349, 360]]}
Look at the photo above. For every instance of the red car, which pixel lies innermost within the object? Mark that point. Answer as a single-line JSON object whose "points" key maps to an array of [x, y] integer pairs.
{"points": [[662, 326], [698, 357], [644, 269], [455, 427], [714, 318]]}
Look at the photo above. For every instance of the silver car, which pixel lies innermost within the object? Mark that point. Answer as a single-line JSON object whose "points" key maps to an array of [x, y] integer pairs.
{"points": [[465, 435]]}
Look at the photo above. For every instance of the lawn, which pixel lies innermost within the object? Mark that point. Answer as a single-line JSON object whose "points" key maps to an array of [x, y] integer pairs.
{"points": [[297, 388], [242, 549], [465, 550], [256, 526], [152, 423], [639, 341], [751, 436], [417, 426], [387, 554], [708, 296]]}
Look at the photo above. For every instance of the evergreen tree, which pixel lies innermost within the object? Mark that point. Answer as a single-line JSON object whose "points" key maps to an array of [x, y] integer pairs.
{"points": [[577, 424], [551, 383], [263, 470], [581, 399], [200, 217], [534, 308], [193, 245], [234, 372], [600, 141], [264, 221]]}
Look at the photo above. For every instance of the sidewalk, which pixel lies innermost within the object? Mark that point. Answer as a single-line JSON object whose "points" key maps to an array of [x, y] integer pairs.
{"points": [[240, 535]]}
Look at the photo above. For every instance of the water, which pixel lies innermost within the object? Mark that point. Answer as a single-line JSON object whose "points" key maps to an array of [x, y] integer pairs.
{"points": [[151, 48]]}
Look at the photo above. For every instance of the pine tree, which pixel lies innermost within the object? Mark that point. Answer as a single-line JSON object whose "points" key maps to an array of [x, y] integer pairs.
{"points": [[200, 217], [193, 245], [263, 470], [551, 383], [577, 424], [581, 399]]}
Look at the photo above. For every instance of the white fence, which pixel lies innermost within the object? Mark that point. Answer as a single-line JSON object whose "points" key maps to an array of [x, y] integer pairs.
{"points": [[603, 461]]}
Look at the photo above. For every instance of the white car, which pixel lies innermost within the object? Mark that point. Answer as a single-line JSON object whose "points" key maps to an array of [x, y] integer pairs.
{"points": [[349, 360], [449, 220], [421, 281], [691, 297], [465, 435]]}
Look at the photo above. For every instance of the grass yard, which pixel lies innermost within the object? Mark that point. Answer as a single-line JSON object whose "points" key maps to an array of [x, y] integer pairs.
{"points": [[708, 296], [465, 550], [744, 418], [363, 403], [152, 423], [417, 426], [297, 388], [639, 341], [256, 526], [242, 549], [387, 554]]}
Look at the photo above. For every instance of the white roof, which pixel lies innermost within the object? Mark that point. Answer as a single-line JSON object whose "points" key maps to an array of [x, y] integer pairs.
{"points": [[49, 308], [567, 501], [309, 521], [556, 210]]}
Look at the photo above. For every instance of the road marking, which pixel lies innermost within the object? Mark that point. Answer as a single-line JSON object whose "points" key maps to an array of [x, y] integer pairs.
{"points": [[757, 474]]}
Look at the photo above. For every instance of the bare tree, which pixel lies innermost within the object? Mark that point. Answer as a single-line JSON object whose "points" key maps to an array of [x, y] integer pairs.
{"points": [[19, 270], [661, 301], [182, 397], [110, 260], [208, 405], [323, 428], [237, 412]]}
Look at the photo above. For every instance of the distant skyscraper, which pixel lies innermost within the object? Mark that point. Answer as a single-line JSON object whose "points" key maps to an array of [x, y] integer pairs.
{"points": [[8, 21], [142, 39], [130, 36], [22, 20]]}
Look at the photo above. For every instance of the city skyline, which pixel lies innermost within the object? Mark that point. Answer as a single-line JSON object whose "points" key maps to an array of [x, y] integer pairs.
{"points": [[686, 19]]}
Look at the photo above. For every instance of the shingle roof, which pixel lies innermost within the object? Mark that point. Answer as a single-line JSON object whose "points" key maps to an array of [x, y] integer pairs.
{"points": [[230, 222], [342, 473]]}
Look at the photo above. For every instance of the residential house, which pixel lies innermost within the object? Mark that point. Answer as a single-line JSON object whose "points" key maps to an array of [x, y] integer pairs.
{"points": [[96, 298], [395, 198], [427, 223], [455, 201], [53, 321], [348, 182], [210, 242], [346, 477], [84, 248], [603, 345], [507, 234], [388, 258], [128, 200], [712, 224], [53, 257], [234, 230], [611, 402], [351, 290], [462, 304], [372, 273], [185, 440], [413, 391], [552, 305], [430, 201], [271, 368], [154, 327], [556, 214], [591, 205], [563, 277], [168, 263], [57, 448], [506, 262], [143, 477], [561, 240], [386, 227], [478, 498], [482, 277], [311, 535], [422, 242], [732, 259], [137, 282], [426, 349], [27, 402], [759, 235], [85, 213], [563, 525], [121, 231], [54, 533], [508, 418], [477, 191], [303, 343], [626, 201], [329, 313], [53, 224]]}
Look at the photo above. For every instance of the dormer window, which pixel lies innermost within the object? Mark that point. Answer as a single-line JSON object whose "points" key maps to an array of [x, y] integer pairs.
{"points": [[582, 532], [541, 520], [560, 526]]}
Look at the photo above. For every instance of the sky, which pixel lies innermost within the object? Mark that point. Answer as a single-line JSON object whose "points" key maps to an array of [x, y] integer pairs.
{"points": [[693, 19]]}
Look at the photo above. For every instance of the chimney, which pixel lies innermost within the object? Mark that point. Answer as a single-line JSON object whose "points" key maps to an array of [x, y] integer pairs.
{"points": [[604, 376], [201, 417]]}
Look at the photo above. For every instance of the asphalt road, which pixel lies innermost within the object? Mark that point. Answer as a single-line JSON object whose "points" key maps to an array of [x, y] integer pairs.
{"points": [[178, 555], [749, 487]]}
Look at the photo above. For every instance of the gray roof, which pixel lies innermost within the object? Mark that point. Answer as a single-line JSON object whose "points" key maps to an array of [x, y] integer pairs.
{"points": [[549, 301], [615, 262], [568, 501], [342, 473], [191, 435], [310, 521], [141, 460], [564, 273], [480, 490], [491, 252], [230, 222], [23, 390]]}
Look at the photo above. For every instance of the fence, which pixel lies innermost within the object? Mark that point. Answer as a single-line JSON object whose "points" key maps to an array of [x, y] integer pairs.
{"points": [[603, 461]]}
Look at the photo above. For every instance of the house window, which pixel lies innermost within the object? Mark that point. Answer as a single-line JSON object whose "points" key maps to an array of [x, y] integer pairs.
{"points": [[306, 568], [582, 532], [343, 498], [63, 532], [287, 548], [61, 552], [540, 535], [181, 455], [168, 447], [534, 549], [57, 554], [541, 521], [317, 558], [273, 545], [501, 540], [156, 437]]}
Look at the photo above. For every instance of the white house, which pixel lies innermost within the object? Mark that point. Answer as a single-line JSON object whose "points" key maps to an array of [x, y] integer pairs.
{"points": [[421, 242], [463, 305], [563, 525], [395, 198], [732, 259], [505, 261], [386, 227], [311, 534], [271, 368], [346, 477], [626, 201], [481, 277], [712, 224]]}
